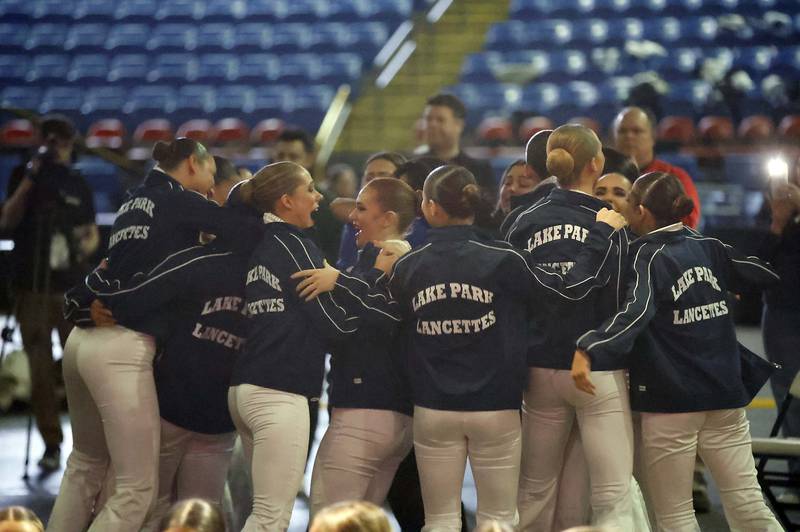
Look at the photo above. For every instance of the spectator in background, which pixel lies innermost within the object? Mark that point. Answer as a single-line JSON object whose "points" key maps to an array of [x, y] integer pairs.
{"points": [[341, 181], [634, 135], [781, 319], [50, 212], [297, 146], [444, 117], [381, 164]]}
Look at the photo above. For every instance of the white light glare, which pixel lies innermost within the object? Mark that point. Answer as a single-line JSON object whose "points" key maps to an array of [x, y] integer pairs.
{"points": [[777, 168]]}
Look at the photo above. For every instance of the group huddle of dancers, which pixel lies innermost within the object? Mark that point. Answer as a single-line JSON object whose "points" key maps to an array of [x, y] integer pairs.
{"points": [[580, 360]]}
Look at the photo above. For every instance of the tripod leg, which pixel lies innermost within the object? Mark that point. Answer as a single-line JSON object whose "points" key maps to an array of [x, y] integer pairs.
{"points": [[28, 446]]}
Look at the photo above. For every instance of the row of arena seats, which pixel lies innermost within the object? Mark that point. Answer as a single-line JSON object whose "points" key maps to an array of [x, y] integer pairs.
{"points": [[134, 69], [563, 100], [668, 31], [600, 63], [305, 105], [251, 10], [365, 38], [675, 130], [521, 9]]}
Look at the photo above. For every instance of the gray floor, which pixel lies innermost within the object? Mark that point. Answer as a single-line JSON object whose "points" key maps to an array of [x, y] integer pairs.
{"points": [[38, 492]]}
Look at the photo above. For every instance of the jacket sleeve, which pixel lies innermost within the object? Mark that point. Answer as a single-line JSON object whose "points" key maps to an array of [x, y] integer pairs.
{"points": [[77, 303], [144, 293], [370, 298], [745, 272], [194, 211], [594, 266], [327, 314], [615, 338]]}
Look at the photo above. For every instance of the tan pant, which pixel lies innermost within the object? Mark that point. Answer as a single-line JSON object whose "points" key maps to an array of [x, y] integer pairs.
{"points": [[722, 438], [108, 373], [443, 440], [191, 465], [38, 315], [274, 429], [551, 405], [359, 455]]}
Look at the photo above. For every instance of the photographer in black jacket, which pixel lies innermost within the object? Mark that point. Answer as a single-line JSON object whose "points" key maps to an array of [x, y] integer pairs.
{"points": [[50, 215]]}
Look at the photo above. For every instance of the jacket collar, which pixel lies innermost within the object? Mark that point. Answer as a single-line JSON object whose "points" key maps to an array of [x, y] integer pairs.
{"points": [[157, 177], [669, 233], [580, 199], [452, 233]]}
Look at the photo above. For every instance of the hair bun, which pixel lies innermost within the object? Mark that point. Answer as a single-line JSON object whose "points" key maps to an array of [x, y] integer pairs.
{"points": [[161, 150], [560, 163], [682, 206]]}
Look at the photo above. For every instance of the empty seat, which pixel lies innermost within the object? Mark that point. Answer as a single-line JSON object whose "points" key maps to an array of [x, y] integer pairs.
{"points": [[173, 37], [136, 10], [90, 67], [18, 133], [304, 10], [612, 8], [339, 68], [225, 10], [129, 68], [392, 10], [510, 35], [48, 68], [16, 10], [53, 10], [313, 97], [183, 10], [128, 37], [679, 63], [250, 37], [151, 98], [787, 62], [267, 131], [540, 98], [756, 60], [548, 34], [614, 90], [495, 130], [663, 30], [21, 97], [104, 101], [715, 128], [272, 100], [532, 125], [46, 37], [153, 130], [677, 129], [699, 30], [591, 32], [13, 37], [232, 131], [755, 128], [292, 37], [106, 133], [215, 37], [331, 36], [255, 68], [233, 99], [173, 67], [480, 67], [14, 68], [198, 98], [67, 100], [789, 128], [198, 129], [90, 37], [566, 64], [367, 38], [217, 68], [260, 10], [685, 95], [94, 10], [297, 68]]}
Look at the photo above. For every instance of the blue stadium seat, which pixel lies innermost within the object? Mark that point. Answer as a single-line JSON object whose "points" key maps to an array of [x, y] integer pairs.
{"points": [[564, 65], [647, 8], [21, 97], [128, 37], [250, 37], [14, 68], [611, 8], [46, 37], [13, 37], [129, 69], [48, 68], [685, 97], [787, 62], [331, 36], [215, 37], [136, 10], [663, 30], [225, 10], [548, 34], [173, 67], [261, 10], [94, 11], [699, 30], [290, 37], [234, 100], [258, 68], [575, 99], [89, 67], [540, 98], [298, 68], [217, 68], [490, 98], [303, 10], [66, 100], [715, 7], [625, 29], [614, 90], [272, 100], [310, 104], [150, 100], [173, 37], [679, 63], [569, 8], [480, 67], [339, 68], [54, 10], [16, 10], [510, 35], [590, 32], [394, 10], [345, 10], [368, 38], [104, 101], [90, 37], [193, 101], [756, 60], [180, 10]]}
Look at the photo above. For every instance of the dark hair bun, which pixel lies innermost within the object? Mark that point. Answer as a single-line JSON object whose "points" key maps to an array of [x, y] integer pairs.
{"points": [[682, 206], [161, 151]]}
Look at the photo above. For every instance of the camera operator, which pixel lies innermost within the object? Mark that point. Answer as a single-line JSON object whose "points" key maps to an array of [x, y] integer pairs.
{"points": [[50, 213]]}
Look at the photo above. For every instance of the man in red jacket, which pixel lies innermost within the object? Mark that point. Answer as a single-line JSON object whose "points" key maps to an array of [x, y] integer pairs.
{"points": [[634, 135]]}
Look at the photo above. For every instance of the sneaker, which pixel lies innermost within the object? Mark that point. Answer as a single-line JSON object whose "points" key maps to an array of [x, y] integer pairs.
{"points": [[51, 460]]}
